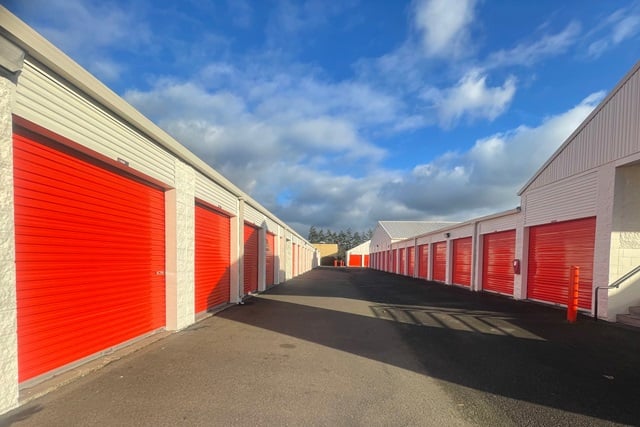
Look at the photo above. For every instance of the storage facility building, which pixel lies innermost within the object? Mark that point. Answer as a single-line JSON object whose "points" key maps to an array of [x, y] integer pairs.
{"points": [[359, 256], [579, 209], [387, 232], [111, 230]]}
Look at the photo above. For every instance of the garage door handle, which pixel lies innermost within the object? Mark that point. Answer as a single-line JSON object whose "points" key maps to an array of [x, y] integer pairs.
{"points": [[159, 273]]}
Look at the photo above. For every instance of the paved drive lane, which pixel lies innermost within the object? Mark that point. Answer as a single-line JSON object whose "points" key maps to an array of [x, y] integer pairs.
{"points": [[357, 347]]}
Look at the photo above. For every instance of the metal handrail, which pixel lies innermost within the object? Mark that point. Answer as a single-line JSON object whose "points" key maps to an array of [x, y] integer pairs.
{"points": [[616, 285]]}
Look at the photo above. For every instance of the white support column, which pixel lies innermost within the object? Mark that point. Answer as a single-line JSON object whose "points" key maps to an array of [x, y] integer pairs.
{"points": [[240, 248], [430, 261], [416, 258], [262, 258], [522, 248], [288, 264], [449, 263], [11, 59], [180, 249], [476, 259], [280, 258], [234, 277]]}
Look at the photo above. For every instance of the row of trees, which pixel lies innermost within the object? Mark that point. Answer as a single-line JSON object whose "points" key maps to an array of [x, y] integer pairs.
{"points": [[346, 239]]}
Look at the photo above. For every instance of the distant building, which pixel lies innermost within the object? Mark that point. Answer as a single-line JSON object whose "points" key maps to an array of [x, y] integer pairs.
{"points": [[328, 252], [359, 256], [577, 213]]}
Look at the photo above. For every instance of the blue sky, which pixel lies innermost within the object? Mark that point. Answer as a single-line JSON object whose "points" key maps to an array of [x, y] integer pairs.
{"points": [[340, 114]]}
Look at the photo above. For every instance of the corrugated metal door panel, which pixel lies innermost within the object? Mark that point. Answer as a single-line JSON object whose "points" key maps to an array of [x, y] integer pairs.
{"points": [[440, 261], [553, 249], [213, 258], [402, 260], [423, 261], [366, 260], [462, 261], [89, 256], [499, 251], [251, 236], [411, 260], [355, 260], [270, 259]]}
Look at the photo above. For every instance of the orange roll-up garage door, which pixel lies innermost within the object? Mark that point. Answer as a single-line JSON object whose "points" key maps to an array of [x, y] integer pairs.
{"points": [[402, 260], [366, 260], [270, 259], [553, 249], [90, 255], [251, 236], [411, 261], [213, 258], [423, 261], [462, 261], [439, 261], [355, 260], [497, 269]]}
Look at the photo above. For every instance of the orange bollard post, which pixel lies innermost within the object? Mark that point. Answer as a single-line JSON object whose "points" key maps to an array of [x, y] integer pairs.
{"points": [[572, 303]]}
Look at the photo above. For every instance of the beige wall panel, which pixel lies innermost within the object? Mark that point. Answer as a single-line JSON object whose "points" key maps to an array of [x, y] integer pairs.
{"points": [[253, 215], [502, 223], [455, 233], [272, 226], [571, 198], [48, 102]]}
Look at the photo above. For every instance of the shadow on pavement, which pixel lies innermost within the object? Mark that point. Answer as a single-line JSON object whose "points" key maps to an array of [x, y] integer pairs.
{"points": [[520, 351]]}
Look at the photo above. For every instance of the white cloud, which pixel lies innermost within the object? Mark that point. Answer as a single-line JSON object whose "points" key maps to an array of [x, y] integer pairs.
{"points": [[444, 26], [471, 98], [622, 25], [263, 129], [529, 53], [485, 178]]}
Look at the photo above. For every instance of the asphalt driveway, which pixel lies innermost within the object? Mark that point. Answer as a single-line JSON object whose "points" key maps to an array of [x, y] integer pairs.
{"points": [[359, 347]]}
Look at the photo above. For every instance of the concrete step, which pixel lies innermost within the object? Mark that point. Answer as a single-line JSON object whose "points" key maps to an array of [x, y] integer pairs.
{"points": [[629, 319], [635, 310]]}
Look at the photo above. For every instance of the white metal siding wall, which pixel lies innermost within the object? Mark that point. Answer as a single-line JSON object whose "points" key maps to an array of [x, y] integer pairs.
{"points": [[456, 233], [571, 198], [380, 240], [428, 239], [253, 216], [613, 133], [52, 104], [360, 250], [272, 226], [507, 222], [210, 192]]}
